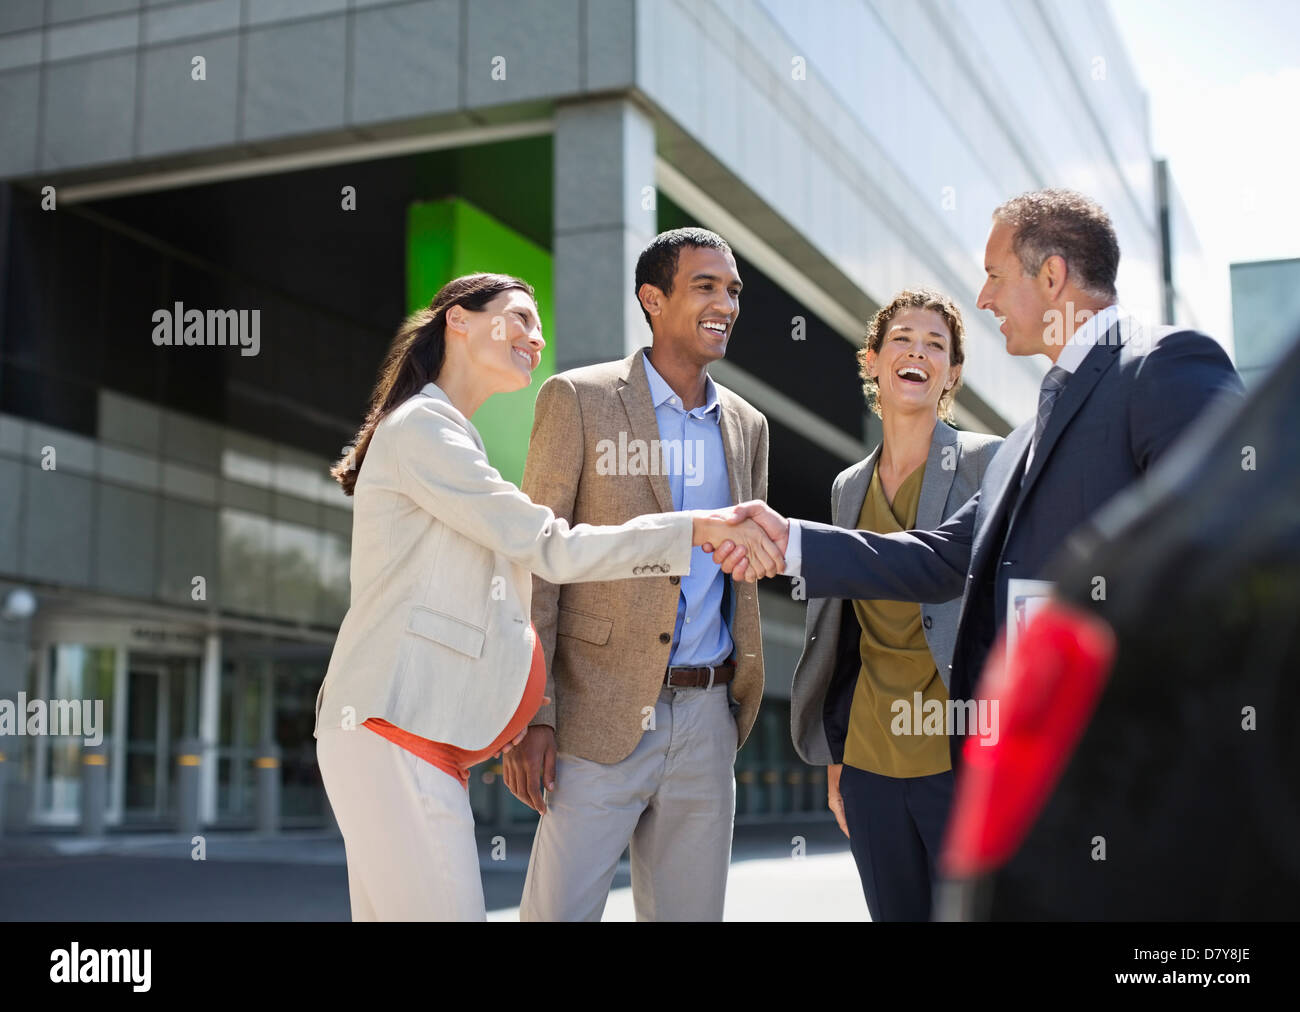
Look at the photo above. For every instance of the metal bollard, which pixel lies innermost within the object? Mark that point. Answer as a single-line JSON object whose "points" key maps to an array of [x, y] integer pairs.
{"points": [[189, 760], [268, 788], [94, 789]]}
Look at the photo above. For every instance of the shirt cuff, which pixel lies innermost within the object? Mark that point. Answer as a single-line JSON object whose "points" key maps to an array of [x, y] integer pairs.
{"points": [[794, 550]]}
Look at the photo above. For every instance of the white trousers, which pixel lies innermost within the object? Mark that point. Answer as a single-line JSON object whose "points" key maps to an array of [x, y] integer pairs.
{"points": [[407, 829]]}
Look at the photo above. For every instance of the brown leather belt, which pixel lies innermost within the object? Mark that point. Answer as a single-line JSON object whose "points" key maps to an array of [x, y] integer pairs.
{"points": [[701, 678]]}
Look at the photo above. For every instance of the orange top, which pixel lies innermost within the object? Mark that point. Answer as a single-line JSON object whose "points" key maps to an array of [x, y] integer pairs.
{"points": [[455, 761]]}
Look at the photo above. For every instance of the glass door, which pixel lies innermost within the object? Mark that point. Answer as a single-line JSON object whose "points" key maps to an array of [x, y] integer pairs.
{"points": [[146, 759], [74, 674]]}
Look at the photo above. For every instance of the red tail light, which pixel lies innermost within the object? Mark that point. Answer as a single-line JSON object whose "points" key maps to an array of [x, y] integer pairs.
{"points": [[1045, 693]]}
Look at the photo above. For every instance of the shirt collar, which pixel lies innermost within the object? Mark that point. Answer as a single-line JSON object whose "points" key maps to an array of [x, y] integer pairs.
{"points": [[1094, 330], [660, 391]]}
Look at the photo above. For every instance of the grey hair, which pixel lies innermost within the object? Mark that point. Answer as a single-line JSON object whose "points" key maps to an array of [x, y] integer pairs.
{"points": [[1066, 224]]}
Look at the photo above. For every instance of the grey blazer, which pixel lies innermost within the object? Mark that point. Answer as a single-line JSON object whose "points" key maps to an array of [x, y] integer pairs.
{"points": [[827, 672]]}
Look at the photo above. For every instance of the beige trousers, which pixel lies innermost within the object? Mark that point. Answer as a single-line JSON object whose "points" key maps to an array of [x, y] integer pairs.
{"points": [[673, 800], [407, 829]]}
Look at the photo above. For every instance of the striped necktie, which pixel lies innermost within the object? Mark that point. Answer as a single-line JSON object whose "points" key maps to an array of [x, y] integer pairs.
{"points": [[1053, 384]]}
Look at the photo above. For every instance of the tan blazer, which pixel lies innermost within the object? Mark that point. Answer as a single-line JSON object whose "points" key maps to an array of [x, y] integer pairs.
{"points": [[436, 639], [607, 644]]}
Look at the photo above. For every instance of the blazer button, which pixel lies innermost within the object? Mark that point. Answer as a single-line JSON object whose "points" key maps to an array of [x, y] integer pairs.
{"points": [[928, 622], [674, 580], [665, 637]]}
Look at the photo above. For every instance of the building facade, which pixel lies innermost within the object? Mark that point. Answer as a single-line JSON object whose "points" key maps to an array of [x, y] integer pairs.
{"points": [[1265, 314], [302, 173]]}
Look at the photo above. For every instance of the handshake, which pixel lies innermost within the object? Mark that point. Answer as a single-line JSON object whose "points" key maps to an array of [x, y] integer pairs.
{"points": [[747, 540]]}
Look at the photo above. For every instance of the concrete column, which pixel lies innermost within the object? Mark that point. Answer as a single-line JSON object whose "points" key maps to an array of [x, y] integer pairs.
{"points": [[209, 726], [604, 216]]}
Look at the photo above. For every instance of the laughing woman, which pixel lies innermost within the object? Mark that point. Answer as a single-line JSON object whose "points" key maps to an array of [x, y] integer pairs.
{"points": [[890, 793], [437, 666]]}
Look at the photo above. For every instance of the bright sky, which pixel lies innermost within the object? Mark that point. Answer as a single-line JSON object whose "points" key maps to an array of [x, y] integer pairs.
{"points": [[1223, 79]]}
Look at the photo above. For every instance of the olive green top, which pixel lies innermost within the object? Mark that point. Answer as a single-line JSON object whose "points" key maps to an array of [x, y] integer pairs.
{"points": [[885, 737]]}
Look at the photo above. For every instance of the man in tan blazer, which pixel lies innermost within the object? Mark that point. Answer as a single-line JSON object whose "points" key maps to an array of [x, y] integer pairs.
{"points": [[655, 683]]}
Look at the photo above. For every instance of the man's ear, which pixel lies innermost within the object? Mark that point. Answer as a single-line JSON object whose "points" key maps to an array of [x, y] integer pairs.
{"points": [[1053, 274], [651, 298]]}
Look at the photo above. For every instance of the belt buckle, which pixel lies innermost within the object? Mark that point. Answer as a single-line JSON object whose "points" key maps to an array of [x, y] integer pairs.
{"points": [[712, 669]]}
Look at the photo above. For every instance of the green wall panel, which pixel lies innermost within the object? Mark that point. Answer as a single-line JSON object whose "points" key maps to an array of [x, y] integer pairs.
{"points": [[448, 238]]}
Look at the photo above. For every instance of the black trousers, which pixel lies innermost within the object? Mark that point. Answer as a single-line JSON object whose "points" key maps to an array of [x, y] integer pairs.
{"points": [[895, 831]]}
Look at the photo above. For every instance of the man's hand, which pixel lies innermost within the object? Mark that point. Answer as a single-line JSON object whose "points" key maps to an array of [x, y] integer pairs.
{"points": [[833, 799], [530, 765], [730, 556], [514, 743], [745, 537]]}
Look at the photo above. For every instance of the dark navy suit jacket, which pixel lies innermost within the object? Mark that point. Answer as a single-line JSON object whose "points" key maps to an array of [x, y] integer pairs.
{"points": [[1125, 405]]}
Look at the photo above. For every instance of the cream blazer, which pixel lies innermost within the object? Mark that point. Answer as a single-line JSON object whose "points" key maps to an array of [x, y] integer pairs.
{"points": [[436, 639]]}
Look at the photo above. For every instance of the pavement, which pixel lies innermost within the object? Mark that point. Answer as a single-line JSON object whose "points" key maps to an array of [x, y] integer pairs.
{"points": [[798, 870]]}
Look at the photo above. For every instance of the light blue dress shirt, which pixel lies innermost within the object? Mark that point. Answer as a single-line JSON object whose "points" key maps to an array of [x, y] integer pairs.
{"points": [[697, 476]]}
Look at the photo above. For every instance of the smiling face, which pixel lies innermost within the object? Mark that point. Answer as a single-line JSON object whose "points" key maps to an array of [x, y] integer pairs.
{"points": [[697, 316], [914, 366], [503, 340], [1019, 302]]}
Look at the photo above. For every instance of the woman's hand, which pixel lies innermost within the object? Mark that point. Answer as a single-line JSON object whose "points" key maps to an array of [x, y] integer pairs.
{"points": [[834, 801], [764, 557]]}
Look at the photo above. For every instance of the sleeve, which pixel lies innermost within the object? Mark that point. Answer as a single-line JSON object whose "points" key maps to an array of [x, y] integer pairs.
{"points": [[925, 566], [444, 472]]}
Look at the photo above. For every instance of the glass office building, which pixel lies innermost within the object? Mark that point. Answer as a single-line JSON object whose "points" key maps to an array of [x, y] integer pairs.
{"points": [[1265, 314], [306, 173]]}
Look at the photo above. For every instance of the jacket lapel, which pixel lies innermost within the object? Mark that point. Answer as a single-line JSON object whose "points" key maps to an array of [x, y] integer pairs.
{"points": [[853, 493], [634, 389], [936, 483], [733, 450], [435, 391], [1080, 385], [1001, 487]]}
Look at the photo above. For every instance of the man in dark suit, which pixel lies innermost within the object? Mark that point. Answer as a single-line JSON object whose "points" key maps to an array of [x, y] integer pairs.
{"points": [[1117, 396]]}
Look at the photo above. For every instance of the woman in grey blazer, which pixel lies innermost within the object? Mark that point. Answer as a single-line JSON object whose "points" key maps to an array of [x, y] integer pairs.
{"points": [[436, 665], [874, 673]]}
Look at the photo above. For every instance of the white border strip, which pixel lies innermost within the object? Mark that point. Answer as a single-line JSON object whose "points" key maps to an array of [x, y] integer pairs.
{"points": [[359, 151]]}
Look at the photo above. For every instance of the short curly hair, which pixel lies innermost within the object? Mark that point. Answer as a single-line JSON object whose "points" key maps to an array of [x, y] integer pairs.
{"points": [[913, 298], [1067, 224]]}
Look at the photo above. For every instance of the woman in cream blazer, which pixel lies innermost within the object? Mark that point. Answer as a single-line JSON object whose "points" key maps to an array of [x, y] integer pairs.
{"points": [[436, 665]]}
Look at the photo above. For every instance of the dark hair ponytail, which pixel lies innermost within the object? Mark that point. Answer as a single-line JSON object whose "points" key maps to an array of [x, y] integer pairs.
{"points": [[416, 356]]}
